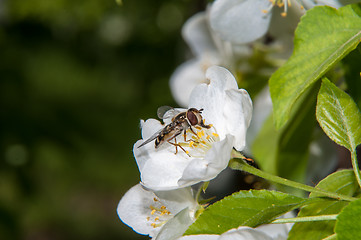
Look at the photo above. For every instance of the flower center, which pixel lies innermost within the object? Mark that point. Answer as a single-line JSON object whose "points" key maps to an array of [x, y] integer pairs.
{"points": [[159, 214], [279, 3], [199, 141]]}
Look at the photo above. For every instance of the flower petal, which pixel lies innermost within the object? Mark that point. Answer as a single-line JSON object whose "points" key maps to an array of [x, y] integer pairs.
{"points": [[240, 21], [244, 233], [215, 161], [225, 106], [196, 33], [189, 74], [176, 226], [133, 210]]}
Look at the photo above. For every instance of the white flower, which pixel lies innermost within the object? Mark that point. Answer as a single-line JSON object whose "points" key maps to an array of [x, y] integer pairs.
{"points": [[206, 152], [161, 215], [271, 232], [243, 21], [208, 50]]}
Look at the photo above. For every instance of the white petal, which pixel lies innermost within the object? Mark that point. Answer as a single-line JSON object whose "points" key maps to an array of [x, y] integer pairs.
{"points": [[133, 209], [160, 168], [240, 21], [188, 75], [200, 237], [225, 106], [197, 34], [244, 233], [238, 114], [178, 199], [176, 226], [215, 161]]}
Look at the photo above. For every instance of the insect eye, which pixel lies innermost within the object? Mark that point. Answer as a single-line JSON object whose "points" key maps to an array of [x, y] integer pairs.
{"points": [[192, 118]]}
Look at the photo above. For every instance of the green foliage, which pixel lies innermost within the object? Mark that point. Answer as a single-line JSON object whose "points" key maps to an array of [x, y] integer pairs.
{"points": [[338, 116], [245, 208], [342, 182], [348, 222], [285, 152], [323, 37]]}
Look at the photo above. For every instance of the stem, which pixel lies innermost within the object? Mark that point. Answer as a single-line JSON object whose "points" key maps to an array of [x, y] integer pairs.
{"points": [[355, 166], [331, 217], [331, 237], [239, 164]]}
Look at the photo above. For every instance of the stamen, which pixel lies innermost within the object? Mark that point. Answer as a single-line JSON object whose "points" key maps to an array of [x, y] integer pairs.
{"points": [[215, 134], [152, 212]]}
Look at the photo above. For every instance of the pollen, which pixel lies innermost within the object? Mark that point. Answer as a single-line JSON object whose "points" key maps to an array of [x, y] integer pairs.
{"points": [[152, 212], [163, 207], [283, 14], [191, 143], [200, 134], [153, 225], [215, 134], [156, 219]]}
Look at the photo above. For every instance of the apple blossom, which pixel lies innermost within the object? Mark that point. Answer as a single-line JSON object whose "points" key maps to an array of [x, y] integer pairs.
{"points": [[158, 214], [205, 152], [244, 21], [208, 50]]}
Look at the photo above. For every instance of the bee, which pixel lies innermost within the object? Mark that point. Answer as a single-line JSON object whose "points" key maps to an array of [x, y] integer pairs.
{"points": [[180, 122]]}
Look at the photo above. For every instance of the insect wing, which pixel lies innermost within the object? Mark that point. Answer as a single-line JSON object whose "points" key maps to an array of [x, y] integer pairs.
{"points": [[154, 136], [167, 112]]}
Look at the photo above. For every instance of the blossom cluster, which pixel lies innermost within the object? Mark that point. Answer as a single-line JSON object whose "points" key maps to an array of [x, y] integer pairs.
{"points": [[193, 144]]}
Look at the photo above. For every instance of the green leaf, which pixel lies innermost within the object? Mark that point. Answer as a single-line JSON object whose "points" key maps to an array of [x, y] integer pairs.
{"points": [[323, 37], [338, 116], [285, 152], [342, 182], [348, 224], [244, 208]]}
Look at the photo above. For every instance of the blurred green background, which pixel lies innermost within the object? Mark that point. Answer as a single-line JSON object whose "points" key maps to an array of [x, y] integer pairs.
{"points": [[75, 78]]}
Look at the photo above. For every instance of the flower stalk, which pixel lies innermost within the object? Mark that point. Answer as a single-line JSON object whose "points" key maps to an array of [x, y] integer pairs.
{"points": [[238, 164], [331, 217], [355, 167]]}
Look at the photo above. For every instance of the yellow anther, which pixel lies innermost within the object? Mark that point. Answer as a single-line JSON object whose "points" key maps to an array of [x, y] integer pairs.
{"points": [[208, 137], [198, 127], [187, 152], [152, 212], [163, 207], [153, 225], [155, 199], [284, 14], [210, 125], [191, 143], [148, 218], [156, 219], [164, 212], [215, 134], [265, 11]]}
